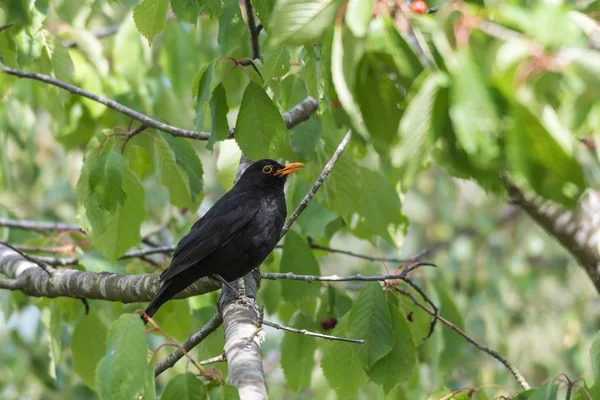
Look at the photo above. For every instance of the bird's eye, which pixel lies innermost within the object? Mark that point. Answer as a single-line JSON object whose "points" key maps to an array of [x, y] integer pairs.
{"points": [[267, 169]]}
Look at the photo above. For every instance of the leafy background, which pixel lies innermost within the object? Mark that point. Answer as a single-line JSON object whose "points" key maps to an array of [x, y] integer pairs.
{"points": [[437, 111]]}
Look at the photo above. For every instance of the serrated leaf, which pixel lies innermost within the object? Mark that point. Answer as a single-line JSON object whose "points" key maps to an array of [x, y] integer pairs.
{"points": [[371, 321], [139, 160], [106, 181], [399, 363], [218, 111], [259, 129], [150, 17], [202, 95], [534, 153], [88, 347], [276, 62], [113, 232], [184, 387], [121, 373], [180, 171], [301, 22], [380, 102], [315, 217], [186, 10], [305, 137], [341, 365], [548, 391], [60, 63], [473, 113], [298, 258], [415, 130], [263, 9], [358, 15], [175, 317], [231, 27], [297, 353]]}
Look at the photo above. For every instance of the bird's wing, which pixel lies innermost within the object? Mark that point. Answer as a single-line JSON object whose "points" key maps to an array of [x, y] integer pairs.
{"points": [[211, 232]]}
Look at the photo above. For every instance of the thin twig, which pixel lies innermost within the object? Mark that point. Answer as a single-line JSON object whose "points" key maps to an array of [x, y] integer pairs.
{"points": [[98, 34], [47, 269], [3, 27], [309, 333], [189, 344], [37, 249], [335, 278], [108, 103], [366, 257], [513, 370], [39, 226], [254, 32], [212, 360], [326, 171], [55, 261]]}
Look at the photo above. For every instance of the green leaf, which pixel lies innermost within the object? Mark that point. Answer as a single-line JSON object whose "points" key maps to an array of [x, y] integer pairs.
{"points": [[139, 160], [595, 356], [276, 62], [547, 391], [218, 112], [340, 364], [180, 171], [473, 112], [370, 320], [88, 347], [231, 27], [543, 159], [106, 180], [454, 344], [298, 22], [150, 17], [121, 373], [57, 57], [398, 364], [297, 353], [259, 129], [298, 258], [186, 10], [315, 217], [202, 94], [113, 232], [379, 100], [184, 387], [175, 317], [340, 82], [305, 138], [358, 15], [414, 129], [263, 9]]}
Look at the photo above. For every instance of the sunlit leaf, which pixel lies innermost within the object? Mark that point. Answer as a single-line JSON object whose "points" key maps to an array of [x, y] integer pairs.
{"points": [[150, 17]]}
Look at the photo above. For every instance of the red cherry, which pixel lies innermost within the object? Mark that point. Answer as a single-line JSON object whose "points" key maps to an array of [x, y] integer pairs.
{"points": [[418, 7], [328, 324]]}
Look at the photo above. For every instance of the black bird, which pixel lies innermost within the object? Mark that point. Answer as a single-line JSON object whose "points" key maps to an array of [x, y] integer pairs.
{"points": [[234, 236]]}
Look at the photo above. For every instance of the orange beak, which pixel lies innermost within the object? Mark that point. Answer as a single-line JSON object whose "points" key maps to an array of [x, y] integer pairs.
{"points": [[289, 169]]}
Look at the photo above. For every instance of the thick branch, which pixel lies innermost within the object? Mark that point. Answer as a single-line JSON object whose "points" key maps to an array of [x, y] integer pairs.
{"points": [[189, 344], [33, 281], [578, 232]]}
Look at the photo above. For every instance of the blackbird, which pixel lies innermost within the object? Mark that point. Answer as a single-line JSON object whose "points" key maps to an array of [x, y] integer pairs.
{"points": [[234, 236]]}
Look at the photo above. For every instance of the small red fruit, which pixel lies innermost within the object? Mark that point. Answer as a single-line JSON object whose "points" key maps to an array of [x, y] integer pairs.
{"points": [[418, 7], [329, 324]]}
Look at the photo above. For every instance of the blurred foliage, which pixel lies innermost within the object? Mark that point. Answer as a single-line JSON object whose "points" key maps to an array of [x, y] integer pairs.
{"points": [[439, 105]]}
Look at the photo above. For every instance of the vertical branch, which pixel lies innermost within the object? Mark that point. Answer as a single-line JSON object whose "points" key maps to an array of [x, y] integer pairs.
{"points": [[254, 32]]}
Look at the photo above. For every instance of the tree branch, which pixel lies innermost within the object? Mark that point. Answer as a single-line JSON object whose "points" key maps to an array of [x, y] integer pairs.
{"points": [[326, 171], [98, 34], [337, 278], [189, 344], [38, 226], [513, 370], [578, 232], [309, 333], [254, 32], [64, 282]]}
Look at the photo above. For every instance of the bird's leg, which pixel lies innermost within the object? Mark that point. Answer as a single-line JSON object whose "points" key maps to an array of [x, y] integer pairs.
{"points": [[224, 282]]}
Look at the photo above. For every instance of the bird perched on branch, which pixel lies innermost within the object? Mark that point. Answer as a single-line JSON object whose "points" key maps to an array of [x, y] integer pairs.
{"points": [[234, 236]]}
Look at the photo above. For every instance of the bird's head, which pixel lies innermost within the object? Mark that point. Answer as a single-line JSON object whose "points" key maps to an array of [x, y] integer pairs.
{"points": [[269, 173]]}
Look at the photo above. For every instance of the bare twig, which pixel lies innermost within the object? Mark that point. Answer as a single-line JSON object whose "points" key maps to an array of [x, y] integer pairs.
{"points": [[39, 226], [108, 103], [189, 344], [55, 261], [3, 27], [212, 360], [366, 257], [254, 32], [513, 370], [309, 333], [326, 170]]}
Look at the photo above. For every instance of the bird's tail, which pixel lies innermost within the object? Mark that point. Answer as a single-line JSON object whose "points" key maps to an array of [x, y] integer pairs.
{"points": [[156, 302]]}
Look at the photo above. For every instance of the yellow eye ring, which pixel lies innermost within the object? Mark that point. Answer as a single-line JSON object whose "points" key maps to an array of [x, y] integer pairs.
{"points": [[267, 169]]}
